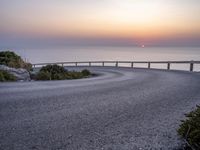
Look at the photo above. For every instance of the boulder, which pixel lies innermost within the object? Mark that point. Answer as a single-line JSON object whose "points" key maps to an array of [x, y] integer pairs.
{"points": [[20, 74]]}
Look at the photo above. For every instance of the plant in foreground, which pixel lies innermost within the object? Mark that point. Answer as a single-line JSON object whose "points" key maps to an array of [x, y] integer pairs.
{"points": [[189, 130]]}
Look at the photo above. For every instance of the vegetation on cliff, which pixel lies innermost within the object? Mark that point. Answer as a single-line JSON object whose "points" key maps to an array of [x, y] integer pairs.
{"points": [[13, 67], [13, 60]]}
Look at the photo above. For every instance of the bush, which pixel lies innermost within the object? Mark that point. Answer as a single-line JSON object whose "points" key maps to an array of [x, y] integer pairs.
{"points": [[86, 72], [52, 72], [55, 72], [190, 129], [11, 59], [54, 69], [28, 66], [43, 76], [75, 75], [5, 76]]}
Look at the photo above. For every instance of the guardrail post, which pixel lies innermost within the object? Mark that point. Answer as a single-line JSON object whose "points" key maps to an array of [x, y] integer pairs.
{"points": [[191, 66], [76, 64], [168, 66], [62, 65], [149, 65], [90, 64], [131, 64], [103, 64], [116, 64]]}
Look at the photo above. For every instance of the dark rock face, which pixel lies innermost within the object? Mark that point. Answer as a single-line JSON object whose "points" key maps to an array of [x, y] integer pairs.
{"points": [[20, 74]]}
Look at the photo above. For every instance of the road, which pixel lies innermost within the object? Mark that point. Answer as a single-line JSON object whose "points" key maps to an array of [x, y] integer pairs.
{"points": [[121, 109]]}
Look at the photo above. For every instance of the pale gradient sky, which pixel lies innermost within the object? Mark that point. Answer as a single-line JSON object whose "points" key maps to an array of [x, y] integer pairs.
{"points": [[168, 22]]}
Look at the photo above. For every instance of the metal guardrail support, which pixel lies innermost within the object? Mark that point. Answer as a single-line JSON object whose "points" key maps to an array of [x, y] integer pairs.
{"points": [[103, 64], [132, 64], [116, 64], [168, 66], [149, 65], [191, 66]]}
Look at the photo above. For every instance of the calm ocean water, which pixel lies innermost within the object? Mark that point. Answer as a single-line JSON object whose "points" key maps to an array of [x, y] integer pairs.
{"points": [[113, 53]]}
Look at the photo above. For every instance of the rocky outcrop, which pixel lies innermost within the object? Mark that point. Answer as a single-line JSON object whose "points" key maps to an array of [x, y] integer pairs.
{"points": [[20, 74]]}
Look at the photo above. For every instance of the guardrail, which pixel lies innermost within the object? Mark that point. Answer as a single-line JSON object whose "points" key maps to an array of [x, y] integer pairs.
{"points": [[92, 63]]}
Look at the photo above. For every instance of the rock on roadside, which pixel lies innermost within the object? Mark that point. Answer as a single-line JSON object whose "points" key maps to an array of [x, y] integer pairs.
{"points": [[20, 74]]}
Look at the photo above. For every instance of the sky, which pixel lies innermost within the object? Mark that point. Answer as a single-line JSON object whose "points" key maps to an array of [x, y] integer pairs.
{"points": [[99, 22]]}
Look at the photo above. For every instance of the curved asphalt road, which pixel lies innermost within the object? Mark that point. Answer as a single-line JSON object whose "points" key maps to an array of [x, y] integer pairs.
{"points": [[122, 109]]}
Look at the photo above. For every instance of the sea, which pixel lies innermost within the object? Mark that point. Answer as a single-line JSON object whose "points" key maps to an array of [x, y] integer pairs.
{"points": [[111, 53]]}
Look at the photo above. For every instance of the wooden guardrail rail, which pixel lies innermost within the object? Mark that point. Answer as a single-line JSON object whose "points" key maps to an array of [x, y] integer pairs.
{"points": [[91, 63]]}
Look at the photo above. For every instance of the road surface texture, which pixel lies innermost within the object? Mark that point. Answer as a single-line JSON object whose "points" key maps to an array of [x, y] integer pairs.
{"points": [[121, 109]]}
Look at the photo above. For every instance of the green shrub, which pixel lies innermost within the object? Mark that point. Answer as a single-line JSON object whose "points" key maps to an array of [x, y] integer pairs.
{"points": [[54, 69], [5, 76], [13, 60], [190, 129], [51, 72], [55, 72], [75, 75], [43, 76], [28, 66], [85, 72]]}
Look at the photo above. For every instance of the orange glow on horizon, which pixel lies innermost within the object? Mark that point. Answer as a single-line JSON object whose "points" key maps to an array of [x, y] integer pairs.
{"points": [[140, 19]]}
